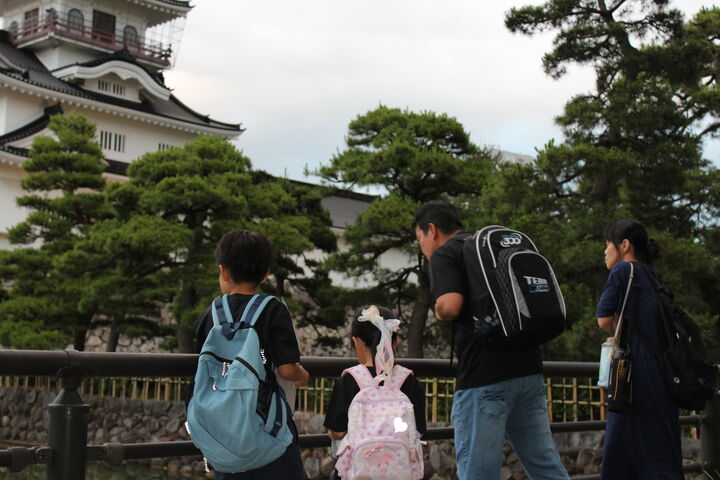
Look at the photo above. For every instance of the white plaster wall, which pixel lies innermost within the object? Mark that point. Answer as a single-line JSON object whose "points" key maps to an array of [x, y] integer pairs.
{"points": [[10, 213], [65, 54], [20, 110], [394, 259], [132, 92], [14, 10], [140, 137], [3, 109]]}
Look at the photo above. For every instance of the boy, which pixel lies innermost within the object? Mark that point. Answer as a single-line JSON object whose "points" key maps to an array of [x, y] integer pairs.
{"points": [[243, 259]]}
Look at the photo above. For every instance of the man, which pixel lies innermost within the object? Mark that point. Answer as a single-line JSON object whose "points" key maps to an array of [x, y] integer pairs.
{"points": [[499, 393]]}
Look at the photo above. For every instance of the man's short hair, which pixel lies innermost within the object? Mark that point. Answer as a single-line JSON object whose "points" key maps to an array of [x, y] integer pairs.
{"points": [[245, 254], [441, 214]]}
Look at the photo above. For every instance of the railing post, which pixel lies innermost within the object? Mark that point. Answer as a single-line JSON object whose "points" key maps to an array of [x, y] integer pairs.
{"points": [[710, 435], [67, 432]]}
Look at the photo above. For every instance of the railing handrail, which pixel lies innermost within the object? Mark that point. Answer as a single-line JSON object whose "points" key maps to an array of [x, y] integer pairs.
{"points": [[70, 363], [67, 453], [141, 47]]}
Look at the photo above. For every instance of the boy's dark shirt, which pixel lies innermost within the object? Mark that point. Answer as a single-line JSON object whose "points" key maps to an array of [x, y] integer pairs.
{"points": [[274, 328], [478, 364], [345, 390]]}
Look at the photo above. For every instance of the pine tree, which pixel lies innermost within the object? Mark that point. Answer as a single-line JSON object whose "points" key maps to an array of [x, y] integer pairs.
{"points": [[64, 185], [413, 158]]}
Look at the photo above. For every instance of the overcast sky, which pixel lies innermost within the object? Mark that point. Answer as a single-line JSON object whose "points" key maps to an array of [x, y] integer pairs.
{"points": [[296, 73]]}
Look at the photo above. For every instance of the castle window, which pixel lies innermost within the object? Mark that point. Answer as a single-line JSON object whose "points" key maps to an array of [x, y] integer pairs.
{"points": [[163, 146], [32, 20], [103, 26], [75, 19], [114, 142], [130, 36], [111, 87]]}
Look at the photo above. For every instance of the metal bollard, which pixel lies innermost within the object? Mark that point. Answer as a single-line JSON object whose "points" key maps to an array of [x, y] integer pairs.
{"points": [[67, 432], [710, 437]]}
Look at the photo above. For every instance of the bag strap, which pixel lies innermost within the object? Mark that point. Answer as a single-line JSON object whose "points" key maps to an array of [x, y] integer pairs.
{"points": [[222, 315], [253, 309], [399, 375], [221, 311], [361, 375]]}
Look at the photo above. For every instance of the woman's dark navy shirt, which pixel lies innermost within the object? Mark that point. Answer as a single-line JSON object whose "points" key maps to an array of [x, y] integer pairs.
{"points": [[648, 325], [645, 442]]}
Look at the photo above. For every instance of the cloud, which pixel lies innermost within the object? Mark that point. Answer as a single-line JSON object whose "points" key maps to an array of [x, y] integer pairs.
{"points": [[295, 73]]}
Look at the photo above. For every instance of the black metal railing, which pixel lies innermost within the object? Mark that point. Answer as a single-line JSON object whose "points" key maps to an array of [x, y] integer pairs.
{"points": [[67, 451]]}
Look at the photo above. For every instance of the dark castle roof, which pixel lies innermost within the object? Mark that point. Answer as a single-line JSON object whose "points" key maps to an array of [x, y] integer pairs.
{"points": [[36, 126], [177, 3], [23, 65]]}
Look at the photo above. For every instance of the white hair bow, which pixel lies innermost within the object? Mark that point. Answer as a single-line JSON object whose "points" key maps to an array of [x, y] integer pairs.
{"points": [[384, 357]]}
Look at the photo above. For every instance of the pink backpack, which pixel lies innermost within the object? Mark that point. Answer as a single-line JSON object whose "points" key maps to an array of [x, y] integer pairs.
{"points": [[382, 441]]}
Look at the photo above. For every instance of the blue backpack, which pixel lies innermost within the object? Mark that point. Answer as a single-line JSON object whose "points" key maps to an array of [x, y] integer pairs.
{"points": [[238, 415]]}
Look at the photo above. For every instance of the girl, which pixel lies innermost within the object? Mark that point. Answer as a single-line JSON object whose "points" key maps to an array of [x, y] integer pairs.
{"points": [[366, 338], [645, 442]]}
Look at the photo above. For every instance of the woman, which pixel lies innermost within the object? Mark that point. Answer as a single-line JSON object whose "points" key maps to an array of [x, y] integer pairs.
{"points": [[645, 442]]}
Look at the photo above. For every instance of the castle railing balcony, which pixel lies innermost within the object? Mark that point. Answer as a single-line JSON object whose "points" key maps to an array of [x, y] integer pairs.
{"points": [[60, 25]]}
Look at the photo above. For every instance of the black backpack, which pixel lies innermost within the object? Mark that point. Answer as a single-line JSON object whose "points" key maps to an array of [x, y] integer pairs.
{"points": [[526, 304], [689, 379]]}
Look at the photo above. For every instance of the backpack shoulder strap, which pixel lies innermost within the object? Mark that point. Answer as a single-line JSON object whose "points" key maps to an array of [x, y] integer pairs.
{"points": [[361, 375], [254, 308], [399, 375], [220, 310]]}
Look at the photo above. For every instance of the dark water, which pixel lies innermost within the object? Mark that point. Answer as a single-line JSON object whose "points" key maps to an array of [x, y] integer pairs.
{"points": [[102, 472]]}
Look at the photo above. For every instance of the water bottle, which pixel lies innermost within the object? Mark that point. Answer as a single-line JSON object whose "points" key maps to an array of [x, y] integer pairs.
{"points": [[605, 357]]}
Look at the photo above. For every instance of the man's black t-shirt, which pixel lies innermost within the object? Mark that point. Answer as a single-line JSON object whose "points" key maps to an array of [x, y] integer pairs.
{"points": [[274, 328], [478, 364], [345, 390]]}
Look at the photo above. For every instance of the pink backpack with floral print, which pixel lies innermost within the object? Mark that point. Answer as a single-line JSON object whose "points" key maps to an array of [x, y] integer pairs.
{"points": [[382, 441]]}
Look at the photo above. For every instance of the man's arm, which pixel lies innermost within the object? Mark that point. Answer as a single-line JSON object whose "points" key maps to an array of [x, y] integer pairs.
{"points": [[295, 373], [448, 306]]}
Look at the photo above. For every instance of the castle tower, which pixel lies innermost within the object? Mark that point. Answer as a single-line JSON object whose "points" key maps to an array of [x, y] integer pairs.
{"points": [[61, 32], [102, 58]]}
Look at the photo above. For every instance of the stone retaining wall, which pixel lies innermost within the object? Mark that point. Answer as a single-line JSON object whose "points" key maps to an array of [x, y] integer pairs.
{"points": [[24, 419]]}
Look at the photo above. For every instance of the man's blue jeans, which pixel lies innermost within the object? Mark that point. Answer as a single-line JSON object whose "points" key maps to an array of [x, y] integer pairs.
{"points": [[483, 416]]}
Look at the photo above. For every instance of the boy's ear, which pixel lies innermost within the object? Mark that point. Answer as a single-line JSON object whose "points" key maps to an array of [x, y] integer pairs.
{"points": [[224, 273], [267, 274]]}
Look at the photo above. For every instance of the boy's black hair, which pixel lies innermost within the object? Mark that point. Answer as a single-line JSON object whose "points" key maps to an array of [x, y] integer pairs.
{"points": [[245, 254], [367, 332], [441, 214]]}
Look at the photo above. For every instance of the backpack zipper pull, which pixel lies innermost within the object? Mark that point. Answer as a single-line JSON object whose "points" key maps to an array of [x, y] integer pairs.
{"points": [[214, 387]]}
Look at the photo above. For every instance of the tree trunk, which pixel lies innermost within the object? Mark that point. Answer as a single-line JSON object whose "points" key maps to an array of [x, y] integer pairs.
{"points": [[79, 339], [183, 332], [114, 336], [419, 318], [185, 339]]}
